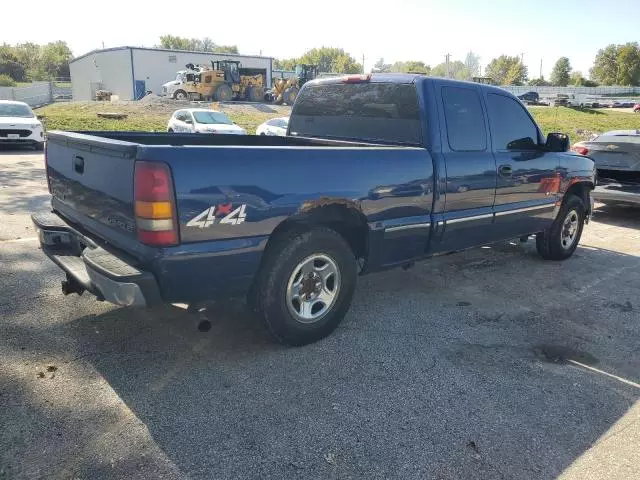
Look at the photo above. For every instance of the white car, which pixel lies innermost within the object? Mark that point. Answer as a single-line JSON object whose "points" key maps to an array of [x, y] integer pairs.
{"points": [[202, 120], [275, 126], [19, 125]]}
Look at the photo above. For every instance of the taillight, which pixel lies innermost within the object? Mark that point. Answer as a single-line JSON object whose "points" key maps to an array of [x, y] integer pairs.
{"points": [[46, 168], [356, 78], [580, 149], [155, 208]]}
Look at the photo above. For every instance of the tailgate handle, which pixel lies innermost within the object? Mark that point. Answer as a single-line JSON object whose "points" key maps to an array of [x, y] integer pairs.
{"points": [[78, 164]]}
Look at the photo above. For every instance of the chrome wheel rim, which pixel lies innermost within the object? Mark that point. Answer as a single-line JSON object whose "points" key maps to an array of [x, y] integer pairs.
{"points": [[313, 288], [569, 230]]}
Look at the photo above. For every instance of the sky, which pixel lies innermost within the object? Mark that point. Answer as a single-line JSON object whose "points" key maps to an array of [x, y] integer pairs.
{"points": [[425, 30]]}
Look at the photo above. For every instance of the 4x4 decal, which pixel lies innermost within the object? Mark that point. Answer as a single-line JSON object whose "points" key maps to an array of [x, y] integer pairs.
{"points": [[208, 217]]}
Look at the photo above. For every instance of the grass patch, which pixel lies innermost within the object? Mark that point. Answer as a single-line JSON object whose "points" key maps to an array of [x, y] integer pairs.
{"points": [[580, 124], [149, 117]]}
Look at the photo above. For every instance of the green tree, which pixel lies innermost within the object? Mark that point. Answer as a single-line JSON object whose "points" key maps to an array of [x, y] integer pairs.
{"points": [[472, 63], [54, 59], [506, 70], [382, 67], [6, 81], [285, 64], [10, 65], [617, 65], [413, 66], [605, 65], [538, 82], [331, 60], [456, 70], [628, 64], [205, 44], [560, 73]]}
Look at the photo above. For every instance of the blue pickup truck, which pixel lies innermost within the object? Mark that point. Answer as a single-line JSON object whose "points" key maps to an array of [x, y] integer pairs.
{"points": [[376, 171]]}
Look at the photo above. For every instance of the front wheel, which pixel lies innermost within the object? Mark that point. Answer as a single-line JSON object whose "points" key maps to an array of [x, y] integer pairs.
{"points": [[561, 240], [305, 286]]}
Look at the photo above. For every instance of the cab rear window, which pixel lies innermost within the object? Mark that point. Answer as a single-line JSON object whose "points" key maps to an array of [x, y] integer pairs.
{"points": [[377, 112]]}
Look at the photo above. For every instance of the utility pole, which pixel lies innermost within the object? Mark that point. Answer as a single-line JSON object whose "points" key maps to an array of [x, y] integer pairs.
{"points": [[540, 68], [446, 61], [522, 58], [363, 63]]}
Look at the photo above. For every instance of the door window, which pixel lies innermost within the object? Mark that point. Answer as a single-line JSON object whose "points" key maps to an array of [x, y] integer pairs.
{"points": [[511, 125], [465, 121]]}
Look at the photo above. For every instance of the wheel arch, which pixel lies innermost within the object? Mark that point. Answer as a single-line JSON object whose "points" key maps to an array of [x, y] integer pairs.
{"points": [[581, 189]]}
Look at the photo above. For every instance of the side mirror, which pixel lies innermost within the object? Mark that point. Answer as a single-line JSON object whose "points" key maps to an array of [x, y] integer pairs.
{"points": [[557, 142]]}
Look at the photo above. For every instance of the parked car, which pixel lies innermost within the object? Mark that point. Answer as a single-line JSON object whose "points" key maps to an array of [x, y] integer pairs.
{"points": [[617, 159], [19, 125], [636, 108], [356, 186], [202, 120], [529, 97], [560, 100], [275, 126]]}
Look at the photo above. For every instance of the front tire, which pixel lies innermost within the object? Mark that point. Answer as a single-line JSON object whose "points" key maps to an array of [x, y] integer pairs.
{"points": [[561, 240], [39, 147], [180, 95], [305, 285]]}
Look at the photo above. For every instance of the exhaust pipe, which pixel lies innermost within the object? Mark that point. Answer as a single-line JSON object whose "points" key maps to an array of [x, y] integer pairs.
{"points": [[71, 285]]}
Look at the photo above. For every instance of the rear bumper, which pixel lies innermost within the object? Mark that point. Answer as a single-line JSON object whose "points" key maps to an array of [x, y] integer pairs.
{"points": [[89, 267], [628, 193]]}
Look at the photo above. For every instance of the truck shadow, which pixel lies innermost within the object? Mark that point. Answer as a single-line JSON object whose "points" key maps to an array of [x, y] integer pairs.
{"points": [[618, 215], [450, 370]]}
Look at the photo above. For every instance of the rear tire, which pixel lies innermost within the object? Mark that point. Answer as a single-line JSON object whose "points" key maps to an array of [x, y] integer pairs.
{"points": [[224, 93], [305, 285], [256, 94], [561, 240], [289, 96]]}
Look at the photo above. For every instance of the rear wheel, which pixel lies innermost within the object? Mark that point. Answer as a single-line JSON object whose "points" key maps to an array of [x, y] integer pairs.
{"points": [[306, 285], [224, 93], [256, 94], [290, 95], [561, 240], [170, 130]]}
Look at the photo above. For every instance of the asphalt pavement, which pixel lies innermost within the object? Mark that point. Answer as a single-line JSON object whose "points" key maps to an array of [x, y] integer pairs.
{"points": [[487, 364]]}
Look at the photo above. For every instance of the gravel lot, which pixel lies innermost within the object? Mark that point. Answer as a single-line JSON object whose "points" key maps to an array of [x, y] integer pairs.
{"points": [[487, 364]]}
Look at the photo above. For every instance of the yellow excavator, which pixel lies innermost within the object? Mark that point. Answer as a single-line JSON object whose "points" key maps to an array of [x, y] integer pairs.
{"points": [[224, 81], [285, 90]]}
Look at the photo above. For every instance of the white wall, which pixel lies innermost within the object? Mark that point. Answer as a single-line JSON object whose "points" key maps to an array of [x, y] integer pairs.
{"points": [[36, 94], [157, 67], [111, 68]]}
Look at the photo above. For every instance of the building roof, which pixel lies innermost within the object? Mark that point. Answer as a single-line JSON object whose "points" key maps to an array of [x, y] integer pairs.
{"points": [[92, 52]]}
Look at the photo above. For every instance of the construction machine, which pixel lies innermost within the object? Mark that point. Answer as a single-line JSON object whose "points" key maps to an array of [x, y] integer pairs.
{"points": [[285, 90], [223, 81]]}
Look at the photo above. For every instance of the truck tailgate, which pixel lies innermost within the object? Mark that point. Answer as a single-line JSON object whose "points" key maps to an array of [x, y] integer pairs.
{"points": [[93, 177]]}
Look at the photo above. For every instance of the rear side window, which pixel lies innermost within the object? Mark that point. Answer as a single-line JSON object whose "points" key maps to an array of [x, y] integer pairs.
{"points": [[509, 122], [379, 112], [465, 122]]}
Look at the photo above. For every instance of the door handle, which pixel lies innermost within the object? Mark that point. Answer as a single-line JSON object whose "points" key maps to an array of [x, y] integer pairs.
{"points": [[505, 170], [78, 164]]}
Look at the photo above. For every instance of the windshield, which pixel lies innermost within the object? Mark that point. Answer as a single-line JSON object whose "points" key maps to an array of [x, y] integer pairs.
{"points": [[180, 77], [211, 117], [15, 110]]}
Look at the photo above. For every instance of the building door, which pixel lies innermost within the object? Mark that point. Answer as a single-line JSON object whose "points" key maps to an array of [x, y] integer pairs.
{"points": [[140, 89]]}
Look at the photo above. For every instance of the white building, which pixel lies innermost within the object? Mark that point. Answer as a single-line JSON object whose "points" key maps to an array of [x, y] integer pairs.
{"points": [[129, 72]]}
